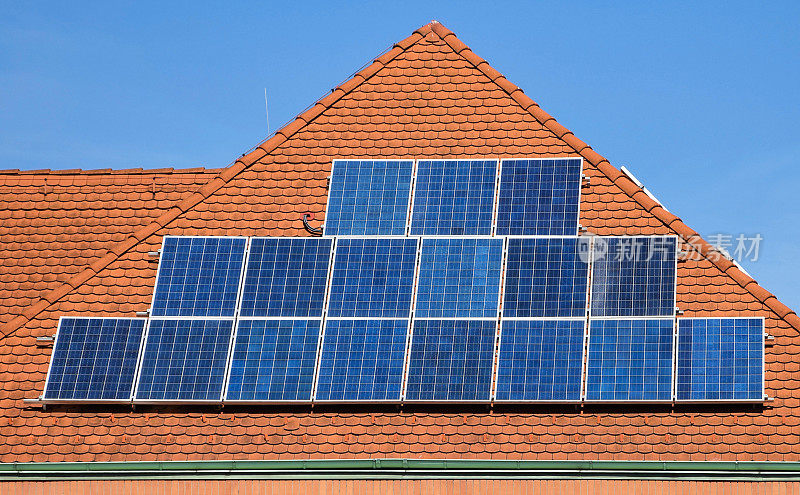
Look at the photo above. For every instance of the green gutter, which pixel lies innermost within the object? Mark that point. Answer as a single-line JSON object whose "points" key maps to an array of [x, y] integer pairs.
{"points": [[401, 469]]}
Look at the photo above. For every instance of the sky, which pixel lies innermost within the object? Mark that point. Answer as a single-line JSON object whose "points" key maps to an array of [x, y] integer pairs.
{"points": [[700, 100]]}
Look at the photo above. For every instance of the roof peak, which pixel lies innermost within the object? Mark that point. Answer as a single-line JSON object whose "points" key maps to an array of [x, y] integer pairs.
{"points": [[285, 133]]}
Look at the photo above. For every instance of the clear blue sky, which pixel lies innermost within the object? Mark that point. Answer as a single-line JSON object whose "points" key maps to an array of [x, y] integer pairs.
{"points": [[701, 102]]}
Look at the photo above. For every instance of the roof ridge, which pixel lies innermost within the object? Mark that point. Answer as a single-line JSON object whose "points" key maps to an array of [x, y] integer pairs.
{"points": [[282, 135], [223, 177], [621, 180], [110, 171]]}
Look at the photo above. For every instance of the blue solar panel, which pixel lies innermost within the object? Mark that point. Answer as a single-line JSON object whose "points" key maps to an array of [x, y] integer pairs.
{"points": [[540, 360], [198, 276], [368, 197], [720, 359], [454, 197], [459, 278], [539, 196], [451, 360], [184, 360], [362, 360], [273, 360], [630, 360], [546, 277], [94, 359], [372, 278], [286, 277], [634, 276]]}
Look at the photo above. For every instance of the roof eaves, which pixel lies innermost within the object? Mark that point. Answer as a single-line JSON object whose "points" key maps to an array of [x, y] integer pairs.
{"points": [[404, 469]]}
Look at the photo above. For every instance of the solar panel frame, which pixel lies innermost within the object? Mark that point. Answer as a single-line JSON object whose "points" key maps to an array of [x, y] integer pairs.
{"points": [[59, 335], [403, 368], [231, 358], [593, 314], [718, 401], [587, 280], [415, 194], [588, 360], [492, 360], [140, 366], [493, 243], [336, 299], [539, 234], [243, 285], [153, 309], [581, 373], [382, 234]]}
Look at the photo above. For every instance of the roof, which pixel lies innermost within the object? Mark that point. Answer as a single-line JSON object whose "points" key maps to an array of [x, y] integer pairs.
{"points": [[428, 96]]}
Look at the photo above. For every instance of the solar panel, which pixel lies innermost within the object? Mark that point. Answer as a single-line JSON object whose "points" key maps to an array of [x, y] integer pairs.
{"points": [[286, 277], [94, 359], [453, 197], [539, 196], [546, 277], [184, 360], [273, 360], [451, 360], [459, 278], [372, 278], [720, 359], [362, 360], [368, 197], [630, 360], [634, 276], [540, 360], [198, 276]]}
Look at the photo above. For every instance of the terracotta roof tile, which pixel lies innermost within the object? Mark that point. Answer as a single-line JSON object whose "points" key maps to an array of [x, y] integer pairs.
{"points": [[77, 242]]}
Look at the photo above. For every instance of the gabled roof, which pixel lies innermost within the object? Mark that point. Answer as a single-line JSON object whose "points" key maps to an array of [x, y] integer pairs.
{"points": [[429, 96]]}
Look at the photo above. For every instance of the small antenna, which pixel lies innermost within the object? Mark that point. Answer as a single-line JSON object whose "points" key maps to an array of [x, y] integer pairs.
{"points": [[266, 108]]}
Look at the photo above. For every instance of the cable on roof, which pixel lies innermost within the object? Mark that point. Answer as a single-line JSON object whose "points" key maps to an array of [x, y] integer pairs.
{"points": [[309, 228]]}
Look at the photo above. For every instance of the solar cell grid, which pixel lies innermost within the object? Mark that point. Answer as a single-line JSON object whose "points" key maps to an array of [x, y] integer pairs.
{"points": [[362, 360], [286, 277], [184, 360], [454, 197], [273, 360], [368, 197], [372, 278], [634, 276], [539, 196], [199, 276], [451, 360], [630, 360], [720, 359], [540, 360], [94, 359], [546, 277], [459, 278]]}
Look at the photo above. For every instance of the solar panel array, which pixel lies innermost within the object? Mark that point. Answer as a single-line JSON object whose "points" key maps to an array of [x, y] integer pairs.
{"points": [[440, 280]]}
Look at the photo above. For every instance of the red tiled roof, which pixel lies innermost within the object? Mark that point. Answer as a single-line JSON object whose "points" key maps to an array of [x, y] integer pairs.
{"points": [[429, 96]]}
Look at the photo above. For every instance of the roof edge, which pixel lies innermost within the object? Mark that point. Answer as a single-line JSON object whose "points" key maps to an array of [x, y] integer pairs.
{"points": [[621, 180], [404, 469], [111, 171]]}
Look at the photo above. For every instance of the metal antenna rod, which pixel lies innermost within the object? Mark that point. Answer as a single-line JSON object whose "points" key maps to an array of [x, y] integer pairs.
{"points": [[266, 108]]}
